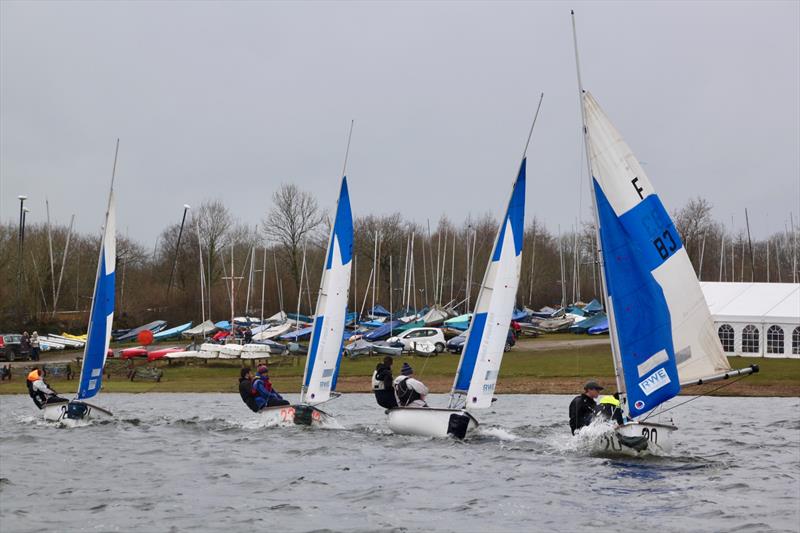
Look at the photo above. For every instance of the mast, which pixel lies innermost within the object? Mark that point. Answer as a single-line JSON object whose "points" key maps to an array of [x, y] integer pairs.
{"points": [[794, 249], [561, 263], [63, 263], [374, 269], [610, 312], [263, 282], [453, 267], [702, 253], [202, 271], [750, 247], [391, 311], [52, 263]]}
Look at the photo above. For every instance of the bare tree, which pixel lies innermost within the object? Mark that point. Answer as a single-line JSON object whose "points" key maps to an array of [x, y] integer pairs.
{"points": [[692, 222], [294, 218]]}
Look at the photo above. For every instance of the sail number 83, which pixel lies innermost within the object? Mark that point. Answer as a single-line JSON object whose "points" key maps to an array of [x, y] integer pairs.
{"points": [[665, 244]]}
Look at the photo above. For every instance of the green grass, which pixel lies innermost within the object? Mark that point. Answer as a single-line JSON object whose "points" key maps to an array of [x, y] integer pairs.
{"points": [[538, 366]]}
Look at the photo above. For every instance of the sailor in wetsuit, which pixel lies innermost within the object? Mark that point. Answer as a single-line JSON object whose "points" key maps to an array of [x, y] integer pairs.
{"points": [[382, 384], [583, 407]]}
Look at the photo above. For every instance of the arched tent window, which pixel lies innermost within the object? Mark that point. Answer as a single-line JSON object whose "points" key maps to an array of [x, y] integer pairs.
{"points": [[796, 341], [775, 339], [750, 339], [726, 337]]}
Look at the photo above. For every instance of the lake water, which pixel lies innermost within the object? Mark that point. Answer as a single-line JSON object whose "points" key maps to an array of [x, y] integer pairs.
{"points": [[186, 462]]}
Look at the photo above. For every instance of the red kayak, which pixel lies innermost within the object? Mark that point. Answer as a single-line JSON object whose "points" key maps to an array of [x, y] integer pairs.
{"points": [[158, 354], [221, 335], [128, 353]]}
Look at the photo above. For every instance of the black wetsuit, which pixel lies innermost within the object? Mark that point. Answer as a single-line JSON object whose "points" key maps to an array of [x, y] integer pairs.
{"points": [[382, 386], [581, 412], [245, 391]]}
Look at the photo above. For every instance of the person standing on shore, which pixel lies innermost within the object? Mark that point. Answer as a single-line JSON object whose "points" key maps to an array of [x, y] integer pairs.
{"points": [[35, 346], [583, 407], [382, 384], [25, 345]]}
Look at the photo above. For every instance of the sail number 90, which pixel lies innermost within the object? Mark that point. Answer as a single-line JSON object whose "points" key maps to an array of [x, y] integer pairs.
{"points": [[665, 244]]}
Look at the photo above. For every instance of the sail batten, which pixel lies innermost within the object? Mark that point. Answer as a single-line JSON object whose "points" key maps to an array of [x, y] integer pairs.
{"points": [[662, 329], [325, 349], [486, 337]]}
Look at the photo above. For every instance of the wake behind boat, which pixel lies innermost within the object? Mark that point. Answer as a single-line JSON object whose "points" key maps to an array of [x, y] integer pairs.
{"points": [[478, 368]]}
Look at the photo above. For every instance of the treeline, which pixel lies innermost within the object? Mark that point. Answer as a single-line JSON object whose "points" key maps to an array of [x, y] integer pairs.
{"points": [[406, 262]]}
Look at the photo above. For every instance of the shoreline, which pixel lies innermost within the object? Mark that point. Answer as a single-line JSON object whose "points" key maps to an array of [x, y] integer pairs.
{"points": [[554, 364]]}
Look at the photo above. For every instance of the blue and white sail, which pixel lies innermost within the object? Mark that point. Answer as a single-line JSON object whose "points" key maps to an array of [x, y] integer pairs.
{"points": [[325, 351], [661, 329], [486, 338], [102, 313]]}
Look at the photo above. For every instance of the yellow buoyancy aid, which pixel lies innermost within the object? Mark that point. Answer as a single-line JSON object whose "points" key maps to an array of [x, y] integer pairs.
{"points": [[609, 400]]}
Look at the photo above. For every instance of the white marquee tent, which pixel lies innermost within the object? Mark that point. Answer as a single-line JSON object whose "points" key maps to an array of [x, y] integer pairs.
{"points": [[756, 319]]}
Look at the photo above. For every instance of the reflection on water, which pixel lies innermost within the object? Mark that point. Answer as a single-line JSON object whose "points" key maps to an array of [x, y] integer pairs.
{"points": [[175, 462]]}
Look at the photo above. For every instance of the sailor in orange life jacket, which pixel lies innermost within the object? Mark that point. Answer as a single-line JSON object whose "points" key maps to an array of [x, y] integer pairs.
{"points": [[40, 392], [33, 375], [263, 392]]}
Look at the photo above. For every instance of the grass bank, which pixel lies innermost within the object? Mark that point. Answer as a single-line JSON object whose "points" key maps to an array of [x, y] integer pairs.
{"points": [[553, 365]]}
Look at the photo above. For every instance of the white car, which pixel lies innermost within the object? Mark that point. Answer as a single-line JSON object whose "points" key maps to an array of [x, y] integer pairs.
{"points": [[420, 335]]}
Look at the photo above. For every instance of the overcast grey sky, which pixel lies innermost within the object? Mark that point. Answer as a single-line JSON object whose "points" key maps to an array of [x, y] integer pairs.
{"points": [[229, 100]]}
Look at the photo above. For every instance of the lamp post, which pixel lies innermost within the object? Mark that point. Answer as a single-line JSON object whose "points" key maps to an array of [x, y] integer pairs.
{"points": [[22, 199], [186, 208]]}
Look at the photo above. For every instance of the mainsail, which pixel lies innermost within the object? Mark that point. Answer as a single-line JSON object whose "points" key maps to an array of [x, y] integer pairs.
{"points": [[102, 312], [662, 331], [487, 334], [324, 354]]}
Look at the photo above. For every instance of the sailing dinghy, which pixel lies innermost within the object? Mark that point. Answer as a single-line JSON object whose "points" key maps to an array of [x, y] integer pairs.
{"points": [[475, 380], [662, 334], [78, 411], [327, 338]]}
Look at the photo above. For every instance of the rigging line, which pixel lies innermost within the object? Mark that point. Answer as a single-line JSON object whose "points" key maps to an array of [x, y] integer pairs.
{"points": [[347, 150], [530, 133], [698, 396], [425, 363]]}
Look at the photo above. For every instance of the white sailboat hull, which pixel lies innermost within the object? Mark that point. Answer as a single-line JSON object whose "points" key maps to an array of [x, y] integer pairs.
{"points": [[427, 421], [57, 412], [636, 439], [284, 416]]}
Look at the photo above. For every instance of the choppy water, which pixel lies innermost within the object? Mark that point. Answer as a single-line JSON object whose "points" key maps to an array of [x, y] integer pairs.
{"points": [[183, 462]]}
